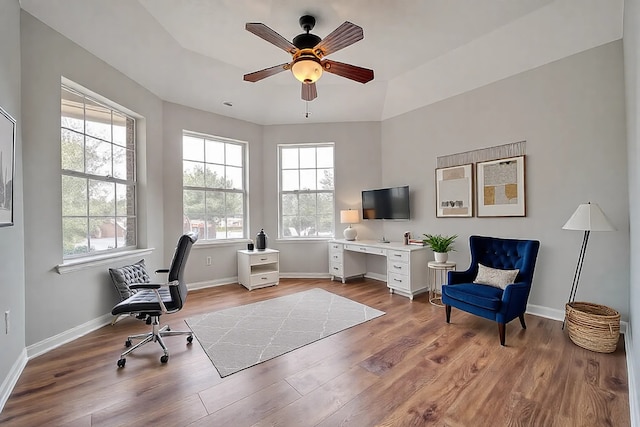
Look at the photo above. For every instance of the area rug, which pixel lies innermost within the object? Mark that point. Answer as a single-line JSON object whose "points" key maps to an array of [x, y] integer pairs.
{"points": [[240, 337]]}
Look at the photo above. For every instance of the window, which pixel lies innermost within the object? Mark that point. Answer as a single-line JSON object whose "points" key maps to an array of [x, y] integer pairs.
{"points": [[214, 191], [97, 144], [306, 191]]}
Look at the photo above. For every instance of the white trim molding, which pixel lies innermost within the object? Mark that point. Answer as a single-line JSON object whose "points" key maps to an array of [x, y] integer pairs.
{"points": [[11, 380], [48, 344], [94, 261]]}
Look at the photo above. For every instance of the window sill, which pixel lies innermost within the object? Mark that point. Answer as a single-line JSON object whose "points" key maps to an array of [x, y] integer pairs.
{"points": [[201, 244], [84, 263], [305, 239]]}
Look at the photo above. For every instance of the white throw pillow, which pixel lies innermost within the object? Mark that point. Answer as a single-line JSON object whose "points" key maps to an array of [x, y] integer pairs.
{"points": [[495, 277]]}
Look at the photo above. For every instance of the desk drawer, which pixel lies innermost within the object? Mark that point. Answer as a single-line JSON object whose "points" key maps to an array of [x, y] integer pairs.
{"points": [[365, 249], [336, 247], [397, 267], [398, 281], [336, 269], [336, 257], [398, 255]]}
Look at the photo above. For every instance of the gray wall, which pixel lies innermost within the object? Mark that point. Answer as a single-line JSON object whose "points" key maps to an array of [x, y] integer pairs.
{"points": [[357, 166], [56, 303], [12, 238], [223, 267], [571, 113], [632, 84]]}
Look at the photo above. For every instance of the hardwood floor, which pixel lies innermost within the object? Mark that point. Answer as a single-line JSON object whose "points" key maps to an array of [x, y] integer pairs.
{"points": [[406, 368]]}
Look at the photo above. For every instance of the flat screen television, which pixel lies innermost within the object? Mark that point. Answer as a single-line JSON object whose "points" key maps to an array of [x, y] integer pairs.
{"points": [[386, 203]]}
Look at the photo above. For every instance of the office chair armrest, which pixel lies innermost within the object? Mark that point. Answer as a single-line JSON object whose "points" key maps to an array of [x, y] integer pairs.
{"points": [[145, 286], [162, 270]]}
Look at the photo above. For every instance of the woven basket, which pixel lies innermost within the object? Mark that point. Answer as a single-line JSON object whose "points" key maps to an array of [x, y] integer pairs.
{"points": [[593, 326]]}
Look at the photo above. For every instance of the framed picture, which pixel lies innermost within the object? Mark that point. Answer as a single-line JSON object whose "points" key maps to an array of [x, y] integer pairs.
{"points": [[7, 145], [501, 187], [454, 191]]}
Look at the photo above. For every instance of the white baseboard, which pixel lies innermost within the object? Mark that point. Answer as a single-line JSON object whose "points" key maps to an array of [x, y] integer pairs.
{"points": [[212, 283], [632, 369], [10, 380], [305, 275], [35, 350], [376, 276]]}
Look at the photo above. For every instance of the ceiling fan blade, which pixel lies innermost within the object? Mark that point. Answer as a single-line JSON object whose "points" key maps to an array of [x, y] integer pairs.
{"points": [[343, 36], [349, 71], [267, 72], [271, 36], [309, 91]]}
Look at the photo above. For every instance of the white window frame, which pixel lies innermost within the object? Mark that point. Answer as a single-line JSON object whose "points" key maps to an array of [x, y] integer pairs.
{"points": [[284, 232], [203, 232], [130, 181]]}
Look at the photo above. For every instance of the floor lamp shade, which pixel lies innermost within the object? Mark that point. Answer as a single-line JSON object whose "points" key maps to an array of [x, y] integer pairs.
{"points": [[350, 216], [588, 217]]}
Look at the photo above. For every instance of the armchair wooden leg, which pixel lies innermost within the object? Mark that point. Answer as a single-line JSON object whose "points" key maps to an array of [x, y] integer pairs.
{"points": [[522, 321], [447, 310], [501, 330]]}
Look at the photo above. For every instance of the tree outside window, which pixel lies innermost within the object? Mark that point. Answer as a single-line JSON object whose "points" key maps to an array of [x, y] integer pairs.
{"points": [[306, 190], [97, 145], [214, 190]]}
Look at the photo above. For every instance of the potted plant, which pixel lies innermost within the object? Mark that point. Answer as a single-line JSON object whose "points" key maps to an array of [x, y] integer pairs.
{"points": [[440, 245]]}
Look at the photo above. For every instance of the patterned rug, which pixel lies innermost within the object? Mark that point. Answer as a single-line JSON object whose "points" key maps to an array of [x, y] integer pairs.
{"points": [[240, 337]]}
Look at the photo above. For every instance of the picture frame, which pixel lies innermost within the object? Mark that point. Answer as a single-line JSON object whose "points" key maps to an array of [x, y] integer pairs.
{"points": [[454, 191], [501, 187], [7, 164]]}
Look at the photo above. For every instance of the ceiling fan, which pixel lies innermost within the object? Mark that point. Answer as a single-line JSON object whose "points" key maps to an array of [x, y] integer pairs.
{"points": [[308, 51]]}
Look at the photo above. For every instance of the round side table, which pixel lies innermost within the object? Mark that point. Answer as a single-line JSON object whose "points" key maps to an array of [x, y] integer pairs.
{"points": [[438, 275]]}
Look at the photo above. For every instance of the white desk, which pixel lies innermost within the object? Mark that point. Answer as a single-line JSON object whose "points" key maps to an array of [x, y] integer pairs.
{"points": [[406, 264]]}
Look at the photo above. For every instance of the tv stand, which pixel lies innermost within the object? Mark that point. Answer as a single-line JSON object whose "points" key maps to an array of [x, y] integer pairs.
{"points": [[406, 264]]}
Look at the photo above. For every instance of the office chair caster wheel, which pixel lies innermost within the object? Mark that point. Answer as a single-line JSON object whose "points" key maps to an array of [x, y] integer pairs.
{"points": [[127, 343], [121, 363], [164, 359], [190, 339]]}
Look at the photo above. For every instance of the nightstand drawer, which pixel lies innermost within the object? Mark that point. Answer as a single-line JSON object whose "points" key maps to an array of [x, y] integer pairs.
{"points": [[264, 278], [264, 258]]}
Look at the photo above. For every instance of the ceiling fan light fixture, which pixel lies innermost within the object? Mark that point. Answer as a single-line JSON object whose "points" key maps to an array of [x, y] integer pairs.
{"points": [[307, 69]]}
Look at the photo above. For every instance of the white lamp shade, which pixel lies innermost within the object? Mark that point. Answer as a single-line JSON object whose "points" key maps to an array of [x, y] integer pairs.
{"points": [[589, 217], [350, 216]]}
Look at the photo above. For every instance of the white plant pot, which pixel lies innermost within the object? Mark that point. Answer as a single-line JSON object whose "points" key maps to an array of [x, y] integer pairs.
{"points": [[441, 256]]}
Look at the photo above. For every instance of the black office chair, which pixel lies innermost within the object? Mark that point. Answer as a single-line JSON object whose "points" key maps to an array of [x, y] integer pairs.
{"points": [[153, 300]]}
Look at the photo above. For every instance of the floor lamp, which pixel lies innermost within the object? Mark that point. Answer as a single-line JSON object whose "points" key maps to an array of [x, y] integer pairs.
{"points": [[588, 217]]}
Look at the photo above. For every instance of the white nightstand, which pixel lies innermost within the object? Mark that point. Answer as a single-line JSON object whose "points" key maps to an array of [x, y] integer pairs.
{"points": [[438, 275], [257, 269]]}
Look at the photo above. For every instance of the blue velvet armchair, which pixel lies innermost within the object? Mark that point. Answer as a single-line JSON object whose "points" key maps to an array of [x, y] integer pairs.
{"points": [[491, 302]]}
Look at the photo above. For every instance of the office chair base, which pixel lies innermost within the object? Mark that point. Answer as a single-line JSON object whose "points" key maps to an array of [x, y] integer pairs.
{"points": [[155, 335]]}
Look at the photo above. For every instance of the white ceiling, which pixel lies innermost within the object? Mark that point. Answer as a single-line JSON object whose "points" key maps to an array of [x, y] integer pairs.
{"points": [[195, 52]]}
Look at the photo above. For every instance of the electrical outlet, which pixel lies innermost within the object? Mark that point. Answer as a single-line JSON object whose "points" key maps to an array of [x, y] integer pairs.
{"points": [[6, 322], [208, 260]]}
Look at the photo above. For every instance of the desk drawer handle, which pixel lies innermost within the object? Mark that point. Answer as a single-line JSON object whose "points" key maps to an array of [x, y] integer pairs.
{"points": [[398, 280], [335, 268], [263, 259], [397, 255], [398, 267], [263, 278]]}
